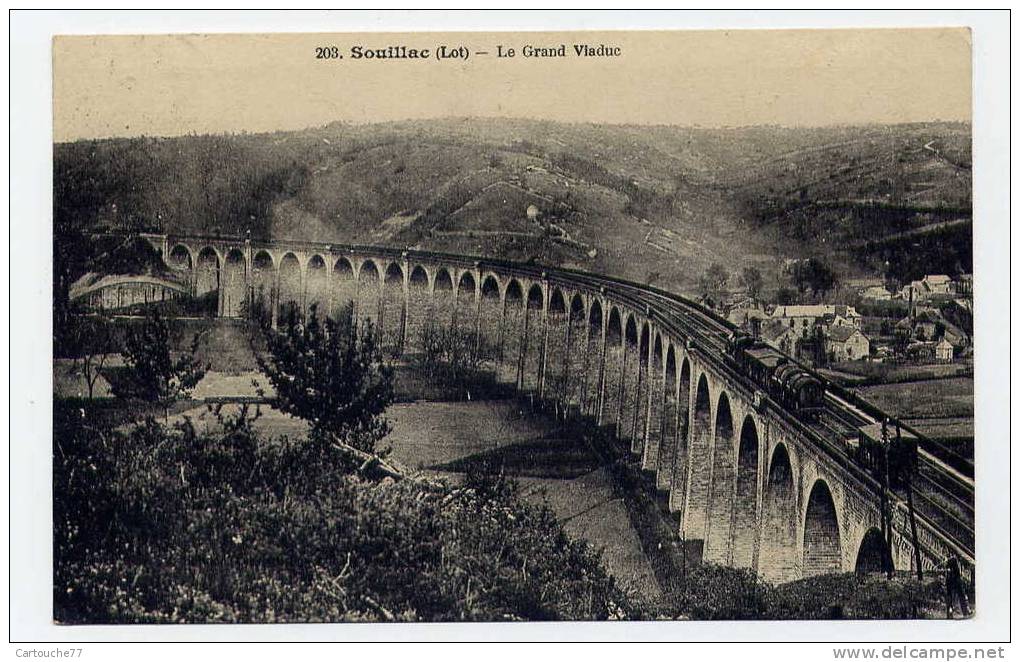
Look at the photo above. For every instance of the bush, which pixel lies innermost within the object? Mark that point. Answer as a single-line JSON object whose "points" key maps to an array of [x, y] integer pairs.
{"points": [[449, 354], [172, 526], [714, 592], [858, 596], [151, 372], [331, 373]]}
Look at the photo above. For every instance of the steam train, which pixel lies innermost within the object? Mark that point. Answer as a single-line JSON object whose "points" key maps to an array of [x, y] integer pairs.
{"points": [[784, 380]]}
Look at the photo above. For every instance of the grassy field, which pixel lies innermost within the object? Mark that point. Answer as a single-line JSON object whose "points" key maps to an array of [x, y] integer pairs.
{"points": [[889, 373], [933, 398]]}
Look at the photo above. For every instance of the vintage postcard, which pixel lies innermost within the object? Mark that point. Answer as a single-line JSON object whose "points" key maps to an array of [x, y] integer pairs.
{"points": [[519, 326]]}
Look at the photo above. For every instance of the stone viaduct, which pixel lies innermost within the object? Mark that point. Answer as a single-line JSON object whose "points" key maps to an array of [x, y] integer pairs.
{"points": [[750, 485]]}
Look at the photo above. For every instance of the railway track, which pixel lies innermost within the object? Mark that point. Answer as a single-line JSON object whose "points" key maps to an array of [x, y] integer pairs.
{"points": [[943, 491], [944, 484]]}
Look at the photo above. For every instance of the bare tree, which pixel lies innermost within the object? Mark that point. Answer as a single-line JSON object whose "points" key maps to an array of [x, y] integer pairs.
{"points": [[93, 343]]}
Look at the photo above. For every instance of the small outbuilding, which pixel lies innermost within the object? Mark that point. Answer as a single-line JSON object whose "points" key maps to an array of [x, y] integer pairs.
{"points": [[944, 351]]}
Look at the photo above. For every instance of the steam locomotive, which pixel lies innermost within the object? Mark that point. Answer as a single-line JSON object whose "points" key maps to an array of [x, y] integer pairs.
{"points": [[784, 380]]}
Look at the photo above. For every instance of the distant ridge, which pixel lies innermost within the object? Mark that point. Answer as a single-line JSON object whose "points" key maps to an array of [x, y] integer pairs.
{"points": [[645, 202]]}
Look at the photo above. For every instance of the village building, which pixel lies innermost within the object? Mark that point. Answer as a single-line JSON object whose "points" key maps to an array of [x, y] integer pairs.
{"points": [[944, 351], [941, 351], [921, 352], [921, 327], [861, 284], [932, 286], [744, 312], [929, 325], [845, 343], [876, 293], [804, 318], [781, 336]]}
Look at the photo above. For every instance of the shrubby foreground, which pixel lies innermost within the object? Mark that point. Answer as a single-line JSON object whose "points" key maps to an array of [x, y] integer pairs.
{"points": [[162, 525]]}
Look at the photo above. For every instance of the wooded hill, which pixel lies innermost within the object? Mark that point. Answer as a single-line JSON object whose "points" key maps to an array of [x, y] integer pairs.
{"points": [[654, 204]]}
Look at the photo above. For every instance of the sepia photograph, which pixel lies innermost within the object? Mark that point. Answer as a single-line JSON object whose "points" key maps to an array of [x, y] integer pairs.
{"points": [[533, 367], [506, 326]]}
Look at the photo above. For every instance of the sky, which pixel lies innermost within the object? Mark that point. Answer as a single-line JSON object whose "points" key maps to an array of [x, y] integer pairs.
{"points": [[165, 85]]}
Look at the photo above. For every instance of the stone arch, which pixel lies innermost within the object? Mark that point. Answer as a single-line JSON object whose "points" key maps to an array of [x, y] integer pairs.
{"points": [[235, 283], [777, 557], [577, 306], [444, 298], [464, 310], [491, 287], [419, 304], [369, 294], [638, 424], [556, 333], [823, 552], [514, 293], [613, 370], [557, 302], [290, 288], [656, 399], [180, 258], [745, 505], [700, 472], [720, 511], [317, 286], [592, 359], [536, 297], [345, 286], [631, 330], [513, 318], [443, 279], [419, 277], [263, 284], [392, 316], [207, 275], [628, 381], [532, 338], [873, 553], [395, 274], [490, 328], [667, 445], [679, 480], [576, 348], [466, 284]]}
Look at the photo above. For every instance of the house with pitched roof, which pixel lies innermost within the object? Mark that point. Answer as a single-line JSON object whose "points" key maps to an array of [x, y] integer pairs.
{"points": [[804, 318], [781, 336], [845, 343], [742, 313], [932, 286]]}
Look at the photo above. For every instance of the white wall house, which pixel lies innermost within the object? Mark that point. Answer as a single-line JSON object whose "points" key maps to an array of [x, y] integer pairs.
{"points": [[845, 343], [803, 318]]}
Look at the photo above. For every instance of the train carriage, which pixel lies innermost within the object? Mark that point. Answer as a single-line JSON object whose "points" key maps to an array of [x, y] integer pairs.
{"points": [[887, 451], [785, 380]]}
